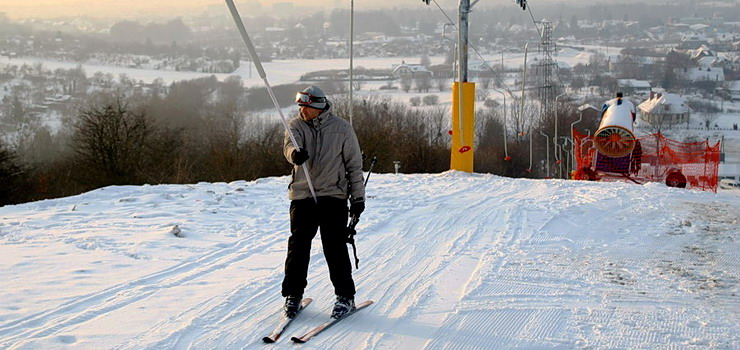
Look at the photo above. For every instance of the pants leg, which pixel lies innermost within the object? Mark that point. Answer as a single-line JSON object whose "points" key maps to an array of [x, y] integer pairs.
{"points": [[333, 223], [303, 226]]}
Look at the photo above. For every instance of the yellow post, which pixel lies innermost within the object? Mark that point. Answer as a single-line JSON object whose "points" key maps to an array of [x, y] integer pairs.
{"points": [[462, 149]]}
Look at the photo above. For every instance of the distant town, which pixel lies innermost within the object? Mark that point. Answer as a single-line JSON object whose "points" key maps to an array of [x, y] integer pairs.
{"points": [[685, 54]]}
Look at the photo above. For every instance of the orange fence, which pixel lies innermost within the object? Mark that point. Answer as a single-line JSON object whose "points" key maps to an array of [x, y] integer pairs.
{"points": [[655, 158]]}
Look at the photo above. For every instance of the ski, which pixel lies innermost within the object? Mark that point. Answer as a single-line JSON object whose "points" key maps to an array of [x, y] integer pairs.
{"points": [[284, 323], [324, 326]]}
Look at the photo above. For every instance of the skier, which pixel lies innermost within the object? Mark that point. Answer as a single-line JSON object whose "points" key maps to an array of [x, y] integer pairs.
{"points": [[329, 147]]}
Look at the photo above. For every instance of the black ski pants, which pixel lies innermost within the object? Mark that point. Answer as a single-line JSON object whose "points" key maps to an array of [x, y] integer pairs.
{"points": [[306, 217]]}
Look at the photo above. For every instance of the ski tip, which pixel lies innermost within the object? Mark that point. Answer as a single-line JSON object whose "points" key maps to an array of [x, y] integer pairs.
{"points": [[268, 340], [297, 340]]}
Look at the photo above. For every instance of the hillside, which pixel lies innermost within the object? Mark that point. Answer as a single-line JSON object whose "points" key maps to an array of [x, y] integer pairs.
{"points": [[452, 260]]}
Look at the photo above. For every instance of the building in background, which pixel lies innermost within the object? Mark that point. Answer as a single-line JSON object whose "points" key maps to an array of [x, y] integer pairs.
{"points": [[634, 87], [664, 109]]}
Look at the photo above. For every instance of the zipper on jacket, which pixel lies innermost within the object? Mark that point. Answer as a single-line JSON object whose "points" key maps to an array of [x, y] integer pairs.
{"points": [[317, 145]]}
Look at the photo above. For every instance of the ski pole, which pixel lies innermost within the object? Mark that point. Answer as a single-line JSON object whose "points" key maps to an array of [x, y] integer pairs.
{"points": [[258, 65], [372, 164], [354, 219]]}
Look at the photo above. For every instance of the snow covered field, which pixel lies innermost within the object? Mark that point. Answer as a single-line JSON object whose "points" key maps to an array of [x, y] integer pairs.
{"points": [[282, 71], [452, 260]]}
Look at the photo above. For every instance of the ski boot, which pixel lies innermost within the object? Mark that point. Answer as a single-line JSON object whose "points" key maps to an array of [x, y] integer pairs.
{"points": [[292, 305], [342, 306]]}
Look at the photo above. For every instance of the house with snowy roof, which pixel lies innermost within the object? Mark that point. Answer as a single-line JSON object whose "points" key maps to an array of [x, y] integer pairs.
{"points": [[692, 41], [698, 74], [634, 87], [589, 112], [707, 61], [722, 41], [700, 52], [409, 70], [733, 87], [664, 109], [478, 67]]}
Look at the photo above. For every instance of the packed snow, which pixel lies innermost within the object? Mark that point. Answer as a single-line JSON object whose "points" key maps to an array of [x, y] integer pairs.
{"points": [[452, 261]]}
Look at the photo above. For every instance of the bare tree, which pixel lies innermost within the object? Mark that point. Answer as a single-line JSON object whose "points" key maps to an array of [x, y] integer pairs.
{"points": [[441, 82], [109, 141], [708, 118], [481, 93], [406, 83], [225, 144], [486, 81], [12, 175], [358, 84], [430, 100], [520, 122], [415, 101], [423, 82]]}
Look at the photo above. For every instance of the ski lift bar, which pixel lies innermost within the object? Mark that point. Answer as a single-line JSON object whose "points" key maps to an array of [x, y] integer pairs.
{"points": [[258, 64]]}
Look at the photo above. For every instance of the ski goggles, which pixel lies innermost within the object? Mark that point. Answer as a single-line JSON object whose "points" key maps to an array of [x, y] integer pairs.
{"points": [[304, 98]]}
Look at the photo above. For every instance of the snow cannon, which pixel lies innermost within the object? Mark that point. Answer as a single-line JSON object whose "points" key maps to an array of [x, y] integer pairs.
{"points": [[615, 137]]}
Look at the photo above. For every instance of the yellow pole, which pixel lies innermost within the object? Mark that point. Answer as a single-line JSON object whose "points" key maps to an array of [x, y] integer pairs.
{"points": [[462, 153]]}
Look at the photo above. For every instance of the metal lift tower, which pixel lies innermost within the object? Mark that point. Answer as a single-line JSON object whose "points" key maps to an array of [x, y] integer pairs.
{"points": [[545, 70]]}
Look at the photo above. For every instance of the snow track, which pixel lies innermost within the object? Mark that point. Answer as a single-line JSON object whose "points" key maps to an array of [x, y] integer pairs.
{"points": [[453, 261]]}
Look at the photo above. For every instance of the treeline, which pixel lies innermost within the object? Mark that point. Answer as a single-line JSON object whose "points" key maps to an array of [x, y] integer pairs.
{"points": [[202, 131], [158, 33]]}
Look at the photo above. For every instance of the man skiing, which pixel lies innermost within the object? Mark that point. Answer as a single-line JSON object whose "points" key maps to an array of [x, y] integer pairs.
{"points": [[329, 147]]}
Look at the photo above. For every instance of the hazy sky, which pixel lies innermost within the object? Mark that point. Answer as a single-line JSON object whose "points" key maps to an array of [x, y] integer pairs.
{"points": [[18, 9], [142, 9], [116, 8], [100, 8]]}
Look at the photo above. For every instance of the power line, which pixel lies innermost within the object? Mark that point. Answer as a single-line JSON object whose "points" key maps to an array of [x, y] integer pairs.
{"points": [[540, 34], [477, 52]]}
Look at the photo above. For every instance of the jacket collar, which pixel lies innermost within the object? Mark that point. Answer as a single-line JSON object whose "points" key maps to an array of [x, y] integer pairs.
{"points": [[318, 121]]}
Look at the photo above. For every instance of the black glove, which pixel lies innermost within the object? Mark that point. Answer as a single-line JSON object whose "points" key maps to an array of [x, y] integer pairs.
{"points": [[356, 208], [299, 156]]}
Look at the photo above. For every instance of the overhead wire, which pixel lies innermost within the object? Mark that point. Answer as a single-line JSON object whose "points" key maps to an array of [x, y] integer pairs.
{"points": [[534, 21], [497, 74], [540, 34]]}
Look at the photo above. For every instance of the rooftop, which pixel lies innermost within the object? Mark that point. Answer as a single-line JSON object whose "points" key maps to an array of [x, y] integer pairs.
{"points": [[666, 104]]}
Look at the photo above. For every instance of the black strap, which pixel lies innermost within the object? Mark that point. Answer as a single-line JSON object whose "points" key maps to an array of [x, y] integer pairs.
{"points": [[355, 219], [354, 251], [351, 238]]}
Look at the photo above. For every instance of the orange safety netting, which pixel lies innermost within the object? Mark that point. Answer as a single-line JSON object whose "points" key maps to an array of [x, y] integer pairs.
{"points": [[655, 158]]}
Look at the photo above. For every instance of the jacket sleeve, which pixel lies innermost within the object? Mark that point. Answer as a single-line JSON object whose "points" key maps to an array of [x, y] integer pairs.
{"points": [[353, 165], [288, 146]]}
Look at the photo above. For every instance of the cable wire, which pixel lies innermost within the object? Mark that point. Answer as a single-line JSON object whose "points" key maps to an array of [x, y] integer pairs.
{"points": [[497, 74]]}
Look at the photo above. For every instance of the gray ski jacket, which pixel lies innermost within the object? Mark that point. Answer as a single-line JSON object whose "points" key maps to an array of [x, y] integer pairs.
{"points": [[334, 163]]}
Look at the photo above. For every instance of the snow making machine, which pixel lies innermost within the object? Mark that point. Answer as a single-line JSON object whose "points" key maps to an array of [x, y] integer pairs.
{"points": [[615, 153]]}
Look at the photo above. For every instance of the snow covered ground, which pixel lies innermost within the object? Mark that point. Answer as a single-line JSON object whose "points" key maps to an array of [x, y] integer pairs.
{"points": [[281, 71], [452, 260]]}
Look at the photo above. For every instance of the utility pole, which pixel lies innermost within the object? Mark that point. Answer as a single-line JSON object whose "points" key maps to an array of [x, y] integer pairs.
{"points": [[462, 40], [351, 57], [463, 95], [463, 99]]}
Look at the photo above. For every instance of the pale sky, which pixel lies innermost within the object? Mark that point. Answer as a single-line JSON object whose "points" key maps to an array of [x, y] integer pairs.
{"points": [[19, 9], [101, 8], [131, 9]]}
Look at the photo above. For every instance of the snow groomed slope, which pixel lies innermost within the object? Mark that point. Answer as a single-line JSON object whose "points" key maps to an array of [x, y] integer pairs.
{"points": [[452, 260]]}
